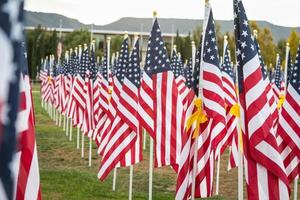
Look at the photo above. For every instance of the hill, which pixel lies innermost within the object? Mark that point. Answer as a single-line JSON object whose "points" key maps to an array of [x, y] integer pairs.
{"points": [[168, 25]]}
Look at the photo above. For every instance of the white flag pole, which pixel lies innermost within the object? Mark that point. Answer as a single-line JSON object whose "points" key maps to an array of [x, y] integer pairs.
{"points": [[67, 127], [90, 152], [144, 140], [151, 150], [71, 131], [114, 179], [151, 168], [193, 55], [82, 144], [287, 51], [59, 120], [78, 138], [296, 188], [57, 117], [130, 182]]}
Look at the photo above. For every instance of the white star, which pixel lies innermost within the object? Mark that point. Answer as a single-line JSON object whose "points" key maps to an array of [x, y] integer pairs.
{"points": [[243, 45], [244, 33], [212, 57], [245, 22]]}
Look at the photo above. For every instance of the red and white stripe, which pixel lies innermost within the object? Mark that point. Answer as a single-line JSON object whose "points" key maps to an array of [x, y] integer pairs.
{"points": [[26, 160], [88, 120], [288, 131], [263, 163], [214, 104], [111, 115]]}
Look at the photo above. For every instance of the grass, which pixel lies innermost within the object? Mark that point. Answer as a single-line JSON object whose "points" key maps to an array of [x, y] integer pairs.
{"points": [[65, 175]]}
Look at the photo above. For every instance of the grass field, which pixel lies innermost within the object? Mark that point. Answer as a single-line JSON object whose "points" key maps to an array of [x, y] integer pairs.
{"points": [[65, 175]]}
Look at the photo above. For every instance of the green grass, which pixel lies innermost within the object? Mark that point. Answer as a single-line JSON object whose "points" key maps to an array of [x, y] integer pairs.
{"points": [[65, 175]]}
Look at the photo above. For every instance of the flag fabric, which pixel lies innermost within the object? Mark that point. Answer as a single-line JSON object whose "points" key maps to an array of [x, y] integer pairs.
{"points": [[79, 90], [160, 104], [124, 144], [11, 36], [230, 97], [212, 88], [289, 124], [277, 86], [264, 169], [26, 161], [205, 157], [188, 73], [118, 79], [104, 97]]}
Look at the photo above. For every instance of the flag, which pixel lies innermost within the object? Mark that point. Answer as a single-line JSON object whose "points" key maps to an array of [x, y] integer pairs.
{"points": [[289, 124], [277, 80], [28, 176], [118, 79], [212, 88], [230, 97], [205, 157], [160, 104], [79, 90], [264, 169], [11, 36], [124, 144]]}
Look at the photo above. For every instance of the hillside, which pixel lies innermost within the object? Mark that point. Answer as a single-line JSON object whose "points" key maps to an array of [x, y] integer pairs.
{"points": [[184, 26]]}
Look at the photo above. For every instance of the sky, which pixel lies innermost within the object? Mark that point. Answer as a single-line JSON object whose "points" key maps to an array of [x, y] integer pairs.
{"points": [[101, 12]]}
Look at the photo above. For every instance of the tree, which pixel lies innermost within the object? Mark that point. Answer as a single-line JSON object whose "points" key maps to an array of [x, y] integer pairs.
{"points": [[294, 42], [76, 38]]}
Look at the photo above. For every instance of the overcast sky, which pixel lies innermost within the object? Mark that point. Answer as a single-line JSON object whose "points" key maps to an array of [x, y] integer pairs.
{"points": [[100, 12]]}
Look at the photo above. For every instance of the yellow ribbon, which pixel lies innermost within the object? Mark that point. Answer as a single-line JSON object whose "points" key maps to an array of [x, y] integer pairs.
{"points": [[281, 100], [235, 110], [199, 117], [49, 79]]}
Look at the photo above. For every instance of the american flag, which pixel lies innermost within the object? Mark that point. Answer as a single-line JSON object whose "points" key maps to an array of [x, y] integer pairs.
{"points": [[160, 104], [28, 176], [277, 80], [96, 93], [79, 90], [289, 124], [104, 97], [90, 77], [124, 146], [212, 88], [188, 73], [118, 79], [263, 163], [11, 36], [205, 161], [290, 68], [230, 95]]}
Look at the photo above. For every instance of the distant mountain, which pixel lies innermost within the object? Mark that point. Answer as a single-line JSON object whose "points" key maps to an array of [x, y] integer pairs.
{"points": [[168, 25]]}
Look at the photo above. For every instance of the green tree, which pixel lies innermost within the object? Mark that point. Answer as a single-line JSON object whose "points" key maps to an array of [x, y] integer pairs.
{"points": [[76, 38], [294, 42]]}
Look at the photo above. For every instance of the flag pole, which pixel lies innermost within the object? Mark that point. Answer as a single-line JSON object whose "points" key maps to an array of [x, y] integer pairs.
{"points": [[287, 51], [141, 53], [151, 150], [225, 42], [193, 55], [130, 182], [131, 166], [78, 138], [90, 152], [71, 126]]}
